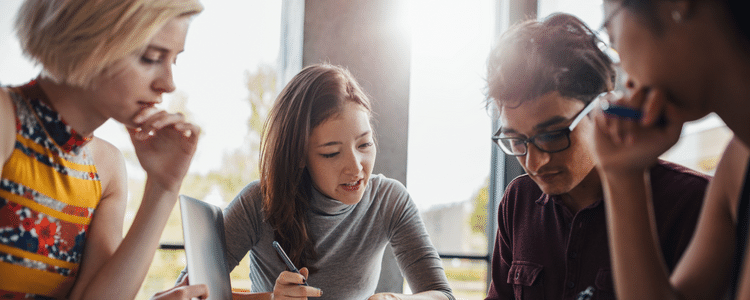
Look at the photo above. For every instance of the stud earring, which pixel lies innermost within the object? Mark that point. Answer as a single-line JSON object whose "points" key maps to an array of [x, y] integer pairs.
{"points": [[677, 16]]}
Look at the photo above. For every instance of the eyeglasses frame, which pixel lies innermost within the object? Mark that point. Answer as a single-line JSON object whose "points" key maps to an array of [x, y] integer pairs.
{"points": [[568, 130]]}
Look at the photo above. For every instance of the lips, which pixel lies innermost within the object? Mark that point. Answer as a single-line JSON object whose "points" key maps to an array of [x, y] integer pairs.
{"points": [[351, 187], [147, 104]]}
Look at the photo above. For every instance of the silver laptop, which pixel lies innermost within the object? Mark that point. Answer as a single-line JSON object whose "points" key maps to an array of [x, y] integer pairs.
{"points": [[203, 230]]}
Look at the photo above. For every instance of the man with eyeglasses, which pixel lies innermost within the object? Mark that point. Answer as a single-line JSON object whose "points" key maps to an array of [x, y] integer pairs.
{"points": [[543, 80]]}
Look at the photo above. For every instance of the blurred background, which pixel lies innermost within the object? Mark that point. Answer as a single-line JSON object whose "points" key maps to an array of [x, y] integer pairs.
{"points": [[423, 63]]}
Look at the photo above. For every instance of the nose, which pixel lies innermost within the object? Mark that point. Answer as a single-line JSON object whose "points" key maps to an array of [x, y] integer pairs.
{"points": [[164, 82], [534, 159], [353, 163]]}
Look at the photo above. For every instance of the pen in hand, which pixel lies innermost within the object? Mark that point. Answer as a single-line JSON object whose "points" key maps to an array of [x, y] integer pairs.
{"points": [[286, 259], [623, 111]]}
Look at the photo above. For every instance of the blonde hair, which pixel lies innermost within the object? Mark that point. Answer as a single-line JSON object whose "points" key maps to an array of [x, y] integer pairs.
{"points": [[77, 40]]}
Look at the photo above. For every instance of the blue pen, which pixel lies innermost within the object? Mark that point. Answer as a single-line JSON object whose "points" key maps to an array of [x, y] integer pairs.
{"points": [[624, 111], [286, 259], [621, 111], [586, 294]]}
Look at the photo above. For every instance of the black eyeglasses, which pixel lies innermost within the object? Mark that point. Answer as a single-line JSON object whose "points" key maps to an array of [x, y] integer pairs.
{"points": [[550, 142]]}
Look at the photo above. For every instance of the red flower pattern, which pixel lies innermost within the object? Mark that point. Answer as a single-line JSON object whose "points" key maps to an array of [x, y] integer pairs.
{"points": [[69, 230], [46, 232], [27, 224]]}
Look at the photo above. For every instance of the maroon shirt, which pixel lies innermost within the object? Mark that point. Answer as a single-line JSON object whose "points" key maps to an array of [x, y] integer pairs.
{"points": [[543, 251]]}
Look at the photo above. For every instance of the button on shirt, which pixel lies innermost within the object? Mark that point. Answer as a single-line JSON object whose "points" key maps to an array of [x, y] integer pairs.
{"points": [[543, 251]]}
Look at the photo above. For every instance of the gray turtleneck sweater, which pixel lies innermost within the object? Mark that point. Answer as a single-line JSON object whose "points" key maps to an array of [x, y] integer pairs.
{"points": [[349, 241]]}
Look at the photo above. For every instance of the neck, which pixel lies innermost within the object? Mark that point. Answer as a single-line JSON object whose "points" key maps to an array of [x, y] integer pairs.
{"points": [[72, 103], [732, 103], [728, 81], [588, 191]]}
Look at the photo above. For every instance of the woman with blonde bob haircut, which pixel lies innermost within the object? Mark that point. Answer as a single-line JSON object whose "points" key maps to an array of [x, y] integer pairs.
{"points": [[62, 190]]}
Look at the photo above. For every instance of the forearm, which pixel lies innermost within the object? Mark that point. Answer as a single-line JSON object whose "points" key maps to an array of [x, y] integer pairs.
{"points": [[427, 295], [124, 272], [638, 266]]}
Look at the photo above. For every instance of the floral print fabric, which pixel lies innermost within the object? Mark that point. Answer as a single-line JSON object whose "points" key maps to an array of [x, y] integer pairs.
{"points": [[49, 190]]}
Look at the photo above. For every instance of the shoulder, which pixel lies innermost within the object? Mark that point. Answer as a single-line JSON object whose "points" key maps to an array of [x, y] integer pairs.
{"points": [[251, 190], [7, 127], [104, 152], [523, 181], [670, 169], [522, 187], [387, 195], [249, 198], [671, 176], [381, 182], [110, 165], [386, 189]]}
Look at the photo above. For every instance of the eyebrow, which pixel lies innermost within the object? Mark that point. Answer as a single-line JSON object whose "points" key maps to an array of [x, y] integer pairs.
{"points": [[161, 49], [549, 122], [333, 143]]}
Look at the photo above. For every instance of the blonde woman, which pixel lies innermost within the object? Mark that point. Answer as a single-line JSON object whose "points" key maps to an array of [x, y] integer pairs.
{"points": [[63, 190]]}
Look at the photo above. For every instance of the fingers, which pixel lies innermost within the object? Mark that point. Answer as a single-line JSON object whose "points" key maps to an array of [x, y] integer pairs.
{"points": [[653, 107], [152, 119], [288, 278], [289, 286], [184, 281]]}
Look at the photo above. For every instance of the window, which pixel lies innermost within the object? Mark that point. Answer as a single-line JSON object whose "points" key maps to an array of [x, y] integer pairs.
{"points": [[449, 134]]}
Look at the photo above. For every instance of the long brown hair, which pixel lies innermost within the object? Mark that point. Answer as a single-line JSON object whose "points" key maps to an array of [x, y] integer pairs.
{"points": [[317, 93]]}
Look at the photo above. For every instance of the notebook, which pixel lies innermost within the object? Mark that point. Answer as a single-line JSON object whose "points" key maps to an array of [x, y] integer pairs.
{"points": [[203, 230]]}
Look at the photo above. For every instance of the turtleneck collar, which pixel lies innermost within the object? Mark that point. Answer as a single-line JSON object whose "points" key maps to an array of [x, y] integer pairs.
{"points": [[323, 205]]}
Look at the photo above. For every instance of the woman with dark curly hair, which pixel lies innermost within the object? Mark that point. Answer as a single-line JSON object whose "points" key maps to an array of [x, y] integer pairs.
{"points": [[685, 59]]}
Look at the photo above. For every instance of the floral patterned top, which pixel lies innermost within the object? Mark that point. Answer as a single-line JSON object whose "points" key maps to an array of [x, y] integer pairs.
{"points": [[49, 190]]}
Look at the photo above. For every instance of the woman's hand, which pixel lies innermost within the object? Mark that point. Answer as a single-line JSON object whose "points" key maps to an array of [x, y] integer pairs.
{"points": [[183, 291], [626, 145], [289, 286], [165, 144]]}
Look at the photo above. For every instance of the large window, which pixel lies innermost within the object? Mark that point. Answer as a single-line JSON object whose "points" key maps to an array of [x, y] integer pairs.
{"points": [[449, 130]]}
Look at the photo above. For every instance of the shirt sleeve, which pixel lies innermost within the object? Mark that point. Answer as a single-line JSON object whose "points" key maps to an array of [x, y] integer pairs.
{"points": [[502, 255], [416, 256], [242, 219]]}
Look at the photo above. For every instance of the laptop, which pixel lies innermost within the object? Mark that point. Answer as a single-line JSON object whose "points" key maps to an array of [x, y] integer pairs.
{"points": [[203, 230]]}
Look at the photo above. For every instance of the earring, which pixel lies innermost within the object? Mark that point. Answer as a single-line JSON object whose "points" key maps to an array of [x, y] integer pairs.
{"points": [[677, 16]]}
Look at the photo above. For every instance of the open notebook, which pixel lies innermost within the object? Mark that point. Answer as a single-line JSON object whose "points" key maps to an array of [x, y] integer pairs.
{"points": [[203, 230]]}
